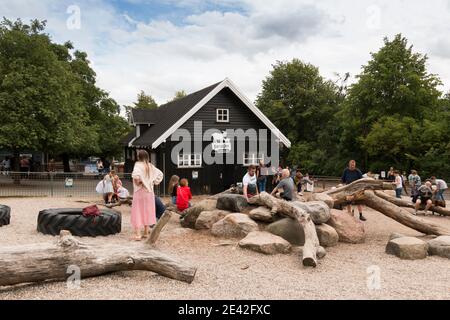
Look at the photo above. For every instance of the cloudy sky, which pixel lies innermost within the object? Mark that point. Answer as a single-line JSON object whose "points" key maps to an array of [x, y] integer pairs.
{"points": [[162, 46]]}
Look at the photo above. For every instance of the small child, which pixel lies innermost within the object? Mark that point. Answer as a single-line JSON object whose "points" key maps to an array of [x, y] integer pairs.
{"points": [[183, 195], [173, 186], [108, 188]]}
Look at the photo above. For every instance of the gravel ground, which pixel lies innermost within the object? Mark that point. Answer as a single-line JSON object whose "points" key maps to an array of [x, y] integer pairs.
{"points": [[228, 272]]}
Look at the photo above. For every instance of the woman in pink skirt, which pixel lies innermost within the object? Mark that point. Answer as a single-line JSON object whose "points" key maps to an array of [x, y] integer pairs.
{"points": [[143, 213]]}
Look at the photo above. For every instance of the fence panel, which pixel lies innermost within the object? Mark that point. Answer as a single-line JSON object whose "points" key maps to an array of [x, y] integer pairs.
{"points": [[55, 184]]}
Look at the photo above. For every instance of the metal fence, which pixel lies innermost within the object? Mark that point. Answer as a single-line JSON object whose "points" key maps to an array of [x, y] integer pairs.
{"points": [[55, 184], [82, 185]]}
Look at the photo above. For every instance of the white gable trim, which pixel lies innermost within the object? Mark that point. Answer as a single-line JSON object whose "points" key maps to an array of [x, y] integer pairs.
{"points": [[224, 84]]}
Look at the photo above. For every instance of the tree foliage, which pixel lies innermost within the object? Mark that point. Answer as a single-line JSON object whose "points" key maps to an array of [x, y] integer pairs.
{"points": [[145, 101], [393, 115], [48, 97]]}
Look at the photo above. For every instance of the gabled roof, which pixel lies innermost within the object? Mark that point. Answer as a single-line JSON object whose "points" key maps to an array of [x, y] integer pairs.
{"points": [[144, 116], [171, 116]]}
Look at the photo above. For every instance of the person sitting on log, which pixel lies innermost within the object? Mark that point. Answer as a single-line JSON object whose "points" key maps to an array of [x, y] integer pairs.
{"points": [[285, 188], [249, 182], [184, 195], [351, 174], [425, 194]]}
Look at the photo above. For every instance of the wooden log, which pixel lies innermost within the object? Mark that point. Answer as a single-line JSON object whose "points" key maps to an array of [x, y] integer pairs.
{"points": [[50, 261], [158, 227], [409, 204], [290, 210], [403, 216], [355, 191]]}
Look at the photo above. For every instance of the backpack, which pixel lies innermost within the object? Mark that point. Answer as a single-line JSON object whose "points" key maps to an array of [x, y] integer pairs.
{"points": [[91, 211]]}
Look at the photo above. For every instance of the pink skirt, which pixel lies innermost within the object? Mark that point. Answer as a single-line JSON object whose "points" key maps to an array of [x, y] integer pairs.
{"points": [[143, 211]]}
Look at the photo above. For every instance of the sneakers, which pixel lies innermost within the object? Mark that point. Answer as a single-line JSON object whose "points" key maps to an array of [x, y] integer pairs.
{"points": [[361, 217]]}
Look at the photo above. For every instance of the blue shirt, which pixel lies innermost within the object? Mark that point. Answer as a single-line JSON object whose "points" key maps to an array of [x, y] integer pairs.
{"points": [[350, 176]]}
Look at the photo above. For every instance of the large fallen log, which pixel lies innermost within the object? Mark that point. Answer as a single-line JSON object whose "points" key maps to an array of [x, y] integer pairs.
{"points": [[355, 191], [311, 246], [403, 216], [409, 204], [49, 261]]}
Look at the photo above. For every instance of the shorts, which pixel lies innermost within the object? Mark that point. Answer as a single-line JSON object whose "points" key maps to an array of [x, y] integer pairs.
{"points": [[424, 200]]}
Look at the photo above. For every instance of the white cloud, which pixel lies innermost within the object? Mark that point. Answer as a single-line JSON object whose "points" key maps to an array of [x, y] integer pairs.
{"points": [[160, 57]]}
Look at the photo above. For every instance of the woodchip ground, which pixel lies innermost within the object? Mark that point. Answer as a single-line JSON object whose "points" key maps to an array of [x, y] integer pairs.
{"points": [[229, 272]]}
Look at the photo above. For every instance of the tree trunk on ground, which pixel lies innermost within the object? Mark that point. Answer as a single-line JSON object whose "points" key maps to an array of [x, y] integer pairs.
{"points": [[401, 215], [288, 209], [159, 226], [356, 189], [42, 262], [408, 204]]}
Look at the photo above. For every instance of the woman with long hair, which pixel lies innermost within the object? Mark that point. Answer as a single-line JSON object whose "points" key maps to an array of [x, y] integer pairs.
{"points": [[143, 213], [173, 186]]}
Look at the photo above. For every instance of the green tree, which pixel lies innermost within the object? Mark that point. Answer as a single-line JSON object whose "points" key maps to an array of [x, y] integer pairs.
{"points": [[48, 98], [298, 99], [393, 90], [145, 101], [179, 94]]}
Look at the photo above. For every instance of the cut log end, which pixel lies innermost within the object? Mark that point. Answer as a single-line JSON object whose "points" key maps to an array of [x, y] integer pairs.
{"points": [[309, 262]]}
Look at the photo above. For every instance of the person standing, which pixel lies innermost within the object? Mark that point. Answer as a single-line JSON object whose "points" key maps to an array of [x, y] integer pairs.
{"points": [[391, 174], [100, 166], [352, 174], [145, 175], [404, 179], [441, 187], [414, 183], [398, 182], [108, 188], [298, 181], [285, 189], [6, 166], [249, 183], [262, 176]]}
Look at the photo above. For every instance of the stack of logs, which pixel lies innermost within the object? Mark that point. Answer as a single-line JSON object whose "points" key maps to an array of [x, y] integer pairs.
{"points": [[368, 192], [42, 262]]}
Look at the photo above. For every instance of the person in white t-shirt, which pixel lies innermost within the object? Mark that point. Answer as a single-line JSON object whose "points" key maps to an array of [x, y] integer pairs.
{"points": [[398, 182], [249, 182]]}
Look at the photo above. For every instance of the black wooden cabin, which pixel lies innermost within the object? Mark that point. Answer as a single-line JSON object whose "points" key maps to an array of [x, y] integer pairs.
{"points": [[222, 107]]}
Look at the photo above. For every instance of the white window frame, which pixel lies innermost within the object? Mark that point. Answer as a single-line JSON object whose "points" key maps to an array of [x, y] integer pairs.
{"points": [[186, 160], [223, 115], [250, 159]]}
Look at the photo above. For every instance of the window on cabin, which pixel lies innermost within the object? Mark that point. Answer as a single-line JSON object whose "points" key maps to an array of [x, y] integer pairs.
{"points": [[189, 160], [252, 159], [223, 115]]}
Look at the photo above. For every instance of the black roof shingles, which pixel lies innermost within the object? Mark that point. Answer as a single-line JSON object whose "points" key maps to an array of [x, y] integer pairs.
{"points": [[166, 116]]}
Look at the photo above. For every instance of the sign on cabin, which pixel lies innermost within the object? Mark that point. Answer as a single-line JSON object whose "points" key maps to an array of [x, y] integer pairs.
{"points": [[221, 144]]}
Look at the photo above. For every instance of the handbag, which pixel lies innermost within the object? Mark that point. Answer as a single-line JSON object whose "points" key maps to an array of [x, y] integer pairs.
{"points": [[91, 211]]}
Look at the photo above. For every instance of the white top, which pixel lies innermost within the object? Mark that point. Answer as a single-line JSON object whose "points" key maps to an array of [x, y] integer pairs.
{"points": [[249, 179], [154, 177], [123, 193], [398, 182], [441, 184]]}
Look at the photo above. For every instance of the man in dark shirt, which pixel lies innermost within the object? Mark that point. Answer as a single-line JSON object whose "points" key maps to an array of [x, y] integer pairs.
{"points": [[351, 174]]}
